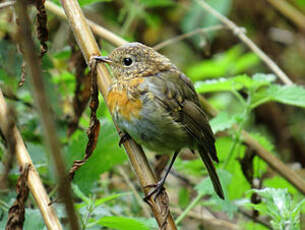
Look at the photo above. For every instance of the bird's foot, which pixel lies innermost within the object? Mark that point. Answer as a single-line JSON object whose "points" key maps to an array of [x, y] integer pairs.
{"points": [[156, 191], [124, 137]]}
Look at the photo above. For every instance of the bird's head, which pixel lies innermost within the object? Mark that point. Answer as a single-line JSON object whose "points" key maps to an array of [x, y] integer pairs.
{"points": [[136, 60]]}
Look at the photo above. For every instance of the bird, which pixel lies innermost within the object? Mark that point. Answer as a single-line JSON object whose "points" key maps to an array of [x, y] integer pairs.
{"points": [[156, 105]]}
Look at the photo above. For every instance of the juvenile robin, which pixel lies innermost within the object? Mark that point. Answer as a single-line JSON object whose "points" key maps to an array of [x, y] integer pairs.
{"points": [[156, 104]]}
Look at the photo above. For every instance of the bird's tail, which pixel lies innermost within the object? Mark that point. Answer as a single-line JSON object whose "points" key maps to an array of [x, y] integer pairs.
{"points": [[212, 172]]}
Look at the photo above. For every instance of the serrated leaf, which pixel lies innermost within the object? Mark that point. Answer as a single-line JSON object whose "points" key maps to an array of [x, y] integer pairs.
{"points": [[222, 84], [292, 95], [234, 83], [223, 121], [122, 223]]}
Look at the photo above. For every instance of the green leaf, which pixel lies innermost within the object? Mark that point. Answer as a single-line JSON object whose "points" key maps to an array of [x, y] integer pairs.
{"points": [[280, 183], [245, 62], [122, 223], [223, 147], [206, 187], [222, 84], [292, 95], [223, 121], [157, 3], [190, 167], [106, 155], [110, 197], [216, 67], [235, 83], [184, 197], [277, 203]]}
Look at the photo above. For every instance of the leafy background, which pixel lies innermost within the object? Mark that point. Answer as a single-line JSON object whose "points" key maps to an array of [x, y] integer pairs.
{"points": [[232, 78]]}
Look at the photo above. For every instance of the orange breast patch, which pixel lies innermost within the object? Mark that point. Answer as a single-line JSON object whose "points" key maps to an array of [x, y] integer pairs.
{"points": [[119, 101]]}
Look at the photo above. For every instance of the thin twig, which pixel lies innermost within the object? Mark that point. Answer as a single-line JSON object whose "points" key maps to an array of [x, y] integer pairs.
{"points": [[46, 114], [240, 32], [138, 160], [289, 11], [7, 4], [34, 182], [187, 35]]}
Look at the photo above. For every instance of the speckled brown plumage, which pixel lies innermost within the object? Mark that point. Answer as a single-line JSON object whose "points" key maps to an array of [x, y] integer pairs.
{"points": [[157, 105]]}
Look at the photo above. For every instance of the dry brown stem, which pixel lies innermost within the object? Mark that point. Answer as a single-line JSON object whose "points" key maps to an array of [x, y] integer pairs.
{"points": [[46, 114], [16, 213], [89, 48], [33, 180]]}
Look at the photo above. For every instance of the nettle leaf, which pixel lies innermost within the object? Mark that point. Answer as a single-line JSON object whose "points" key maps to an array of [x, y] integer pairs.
{"points": [[122, 223], [223, 121], [279, 206], [235, 83], [292, 95], [106, 155], [223, 84]]}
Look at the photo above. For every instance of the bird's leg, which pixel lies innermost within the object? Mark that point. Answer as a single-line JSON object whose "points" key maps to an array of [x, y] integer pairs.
{"points": [[123, 137], [158, 188]]}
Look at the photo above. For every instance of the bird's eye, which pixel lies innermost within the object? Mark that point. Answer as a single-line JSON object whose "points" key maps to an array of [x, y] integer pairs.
{"points": [[127, 61]]}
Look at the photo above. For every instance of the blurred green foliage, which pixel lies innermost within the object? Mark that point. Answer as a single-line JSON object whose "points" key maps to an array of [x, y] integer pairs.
{"points": [[234, 81]]}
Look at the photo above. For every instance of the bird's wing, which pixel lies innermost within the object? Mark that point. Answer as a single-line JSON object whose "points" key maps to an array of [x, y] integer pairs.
{"points": [[178, 93]]}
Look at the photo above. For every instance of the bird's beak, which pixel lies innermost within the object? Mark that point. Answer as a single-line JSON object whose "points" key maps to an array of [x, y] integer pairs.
{"points": [[105, 59]]}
